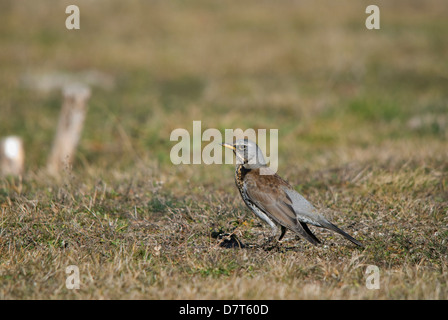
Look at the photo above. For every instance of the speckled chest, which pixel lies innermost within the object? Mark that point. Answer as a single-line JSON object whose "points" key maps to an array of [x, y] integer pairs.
{"points": [[240, 173]]}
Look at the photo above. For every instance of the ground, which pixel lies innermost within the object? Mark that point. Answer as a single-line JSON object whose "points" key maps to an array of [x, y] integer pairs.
{"points": [[362, 123]]}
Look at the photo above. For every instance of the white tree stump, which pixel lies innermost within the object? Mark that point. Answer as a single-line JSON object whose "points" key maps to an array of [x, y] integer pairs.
{"points": [[12, 156], [71, 120]]}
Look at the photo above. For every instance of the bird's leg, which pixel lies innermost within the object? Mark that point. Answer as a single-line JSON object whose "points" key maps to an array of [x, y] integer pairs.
{"points": [[273, 240], [278, 234], [283, 231]]}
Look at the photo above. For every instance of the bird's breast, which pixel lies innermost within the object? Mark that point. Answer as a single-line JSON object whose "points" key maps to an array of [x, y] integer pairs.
{"points": [[240, 173]]}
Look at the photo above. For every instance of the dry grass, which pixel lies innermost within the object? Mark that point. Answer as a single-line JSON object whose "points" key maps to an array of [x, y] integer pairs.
{"points": [[362, 135]]}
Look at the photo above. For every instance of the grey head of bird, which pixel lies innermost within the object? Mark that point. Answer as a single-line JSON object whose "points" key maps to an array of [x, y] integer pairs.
{"points": [[247, 153]]}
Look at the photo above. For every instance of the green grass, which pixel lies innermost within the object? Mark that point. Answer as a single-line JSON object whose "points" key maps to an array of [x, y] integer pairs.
{"points": [[362, 119]]}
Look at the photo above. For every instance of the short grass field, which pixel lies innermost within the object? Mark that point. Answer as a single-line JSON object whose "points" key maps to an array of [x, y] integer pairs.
{"points": [[362, 119]]}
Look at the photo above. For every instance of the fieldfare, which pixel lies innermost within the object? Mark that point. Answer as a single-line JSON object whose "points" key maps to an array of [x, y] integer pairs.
{"points": [[272, 199]]}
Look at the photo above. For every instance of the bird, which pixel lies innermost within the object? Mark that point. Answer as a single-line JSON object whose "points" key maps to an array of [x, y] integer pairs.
{"points": [[274, 200]]}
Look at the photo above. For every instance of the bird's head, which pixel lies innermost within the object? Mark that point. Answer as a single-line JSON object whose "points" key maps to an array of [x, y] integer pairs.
{"points": [[247, 153]]}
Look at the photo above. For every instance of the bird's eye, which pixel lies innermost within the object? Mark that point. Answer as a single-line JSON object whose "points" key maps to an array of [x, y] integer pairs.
{"points": [[242, 147]]}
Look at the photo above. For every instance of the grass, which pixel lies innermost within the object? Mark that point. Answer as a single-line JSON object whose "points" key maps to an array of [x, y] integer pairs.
{"points": [[362, 119]]}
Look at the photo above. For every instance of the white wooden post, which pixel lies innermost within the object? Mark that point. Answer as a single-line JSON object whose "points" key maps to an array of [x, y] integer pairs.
{"points": [[12, 156], [69, 128]]}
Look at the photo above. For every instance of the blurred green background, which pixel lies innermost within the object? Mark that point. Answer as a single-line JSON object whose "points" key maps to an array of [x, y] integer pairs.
{"points": [[336, 91]]}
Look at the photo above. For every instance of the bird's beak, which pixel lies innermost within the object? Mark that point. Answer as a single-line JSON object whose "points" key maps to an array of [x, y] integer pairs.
{"points": [[226, 145]]}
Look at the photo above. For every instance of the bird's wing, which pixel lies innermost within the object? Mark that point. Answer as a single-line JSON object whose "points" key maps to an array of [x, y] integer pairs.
{"points": [[266, 191], [306, 213]]}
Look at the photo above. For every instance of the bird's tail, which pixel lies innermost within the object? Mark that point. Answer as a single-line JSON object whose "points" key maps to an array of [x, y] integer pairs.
{"points": [[334, 228]]}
